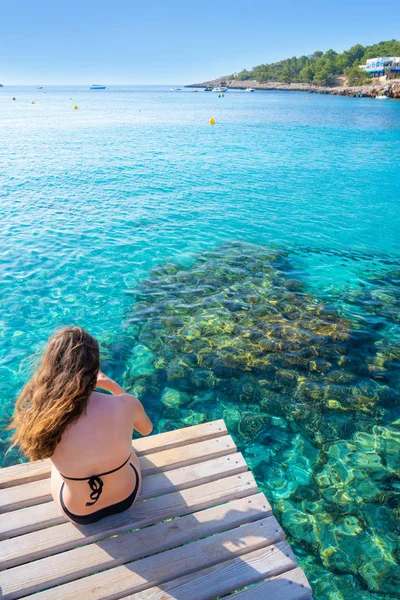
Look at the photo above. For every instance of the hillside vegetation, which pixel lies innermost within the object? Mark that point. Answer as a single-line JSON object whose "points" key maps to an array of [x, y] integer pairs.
{"points": [[322, 68]]}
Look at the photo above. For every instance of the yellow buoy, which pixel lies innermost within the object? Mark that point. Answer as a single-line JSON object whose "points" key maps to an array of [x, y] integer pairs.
{"points": [[307, 98], [212, 121], [223, 95], [75, 107], [160, 96], [33, 102]]}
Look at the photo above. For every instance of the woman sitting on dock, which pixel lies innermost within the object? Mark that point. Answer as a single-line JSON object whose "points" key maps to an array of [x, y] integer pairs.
{"points": [[86, 434]]}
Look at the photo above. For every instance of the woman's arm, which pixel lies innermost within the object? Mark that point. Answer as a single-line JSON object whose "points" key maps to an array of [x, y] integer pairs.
{"points": [[108, 384], [142, 423]]}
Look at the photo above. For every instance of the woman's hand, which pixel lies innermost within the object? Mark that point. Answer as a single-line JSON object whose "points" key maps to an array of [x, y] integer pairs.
{"points": [[102, 379], [108, 384]]}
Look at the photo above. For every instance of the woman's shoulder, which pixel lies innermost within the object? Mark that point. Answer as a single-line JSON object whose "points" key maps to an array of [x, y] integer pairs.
{"points": [[112, 402]]}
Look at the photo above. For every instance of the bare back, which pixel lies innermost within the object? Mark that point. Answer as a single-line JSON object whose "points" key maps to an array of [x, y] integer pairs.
{"points": [[98, 442]]}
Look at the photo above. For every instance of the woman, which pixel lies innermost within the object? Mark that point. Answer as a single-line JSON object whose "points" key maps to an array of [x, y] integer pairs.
{"points": [[87, 435]]}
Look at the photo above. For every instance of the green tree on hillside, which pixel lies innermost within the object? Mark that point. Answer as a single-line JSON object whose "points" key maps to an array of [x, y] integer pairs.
{"points": [[323, 67]]}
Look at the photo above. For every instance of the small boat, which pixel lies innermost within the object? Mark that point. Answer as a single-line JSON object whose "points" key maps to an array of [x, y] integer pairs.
{"points": [[40, 87], [249, 90], [382, 97], [220, 89], [176, 89], [97, 87]]}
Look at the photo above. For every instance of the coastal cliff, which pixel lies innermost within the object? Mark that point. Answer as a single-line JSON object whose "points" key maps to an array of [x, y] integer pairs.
{"points": [[389, 88]]}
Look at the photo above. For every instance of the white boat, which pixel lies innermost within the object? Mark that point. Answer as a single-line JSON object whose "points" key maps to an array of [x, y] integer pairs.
{"points": [[176, 89], [95, 86], [249, 90], [382, 97], [220, 89]]}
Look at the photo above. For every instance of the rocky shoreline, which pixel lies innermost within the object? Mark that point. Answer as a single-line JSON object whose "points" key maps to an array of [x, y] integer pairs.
{"points": [[389, 88]]}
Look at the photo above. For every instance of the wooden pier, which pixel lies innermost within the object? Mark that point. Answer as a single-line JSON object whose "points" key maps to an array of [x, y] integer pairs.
{"points": [[200, 530]]}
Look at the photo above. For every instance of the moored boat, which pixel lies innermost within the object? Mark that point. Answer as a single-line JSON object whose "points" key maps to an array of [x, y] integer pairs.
{"points": [[97, 87], [249, 90], [220, 89]]}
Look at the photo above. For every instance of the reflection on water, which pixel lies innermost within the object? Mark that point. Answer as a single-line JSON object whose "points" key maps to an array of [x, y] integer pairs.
{"points": [[308, 391]]}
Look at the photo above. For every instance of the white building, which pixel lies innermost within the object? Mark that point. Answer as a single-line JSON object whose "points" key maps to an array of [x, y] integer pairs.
{"points": [[381, 65]]}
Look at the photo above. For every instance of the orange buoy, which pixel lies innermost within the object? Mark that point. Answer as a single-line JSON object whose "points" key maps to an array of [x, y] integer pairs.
{"points": [[212, 121], [33, 102], [76, 107]]}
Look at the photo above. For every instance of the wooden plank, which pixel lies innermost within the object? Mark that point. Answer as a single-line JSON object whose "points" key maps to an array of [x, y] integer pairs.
{"points": [[154, 570], [63, 537], [179, 437], [26, 494], [187, 455], [33, 471], [223, 578], [44, 515], [38, 492], [70, 565], [292, 585]]}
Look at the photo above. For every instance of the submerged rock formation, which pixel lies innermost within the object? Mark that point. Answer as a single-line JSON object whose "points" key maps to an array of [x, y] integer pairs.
{"points": [[309, 394]]}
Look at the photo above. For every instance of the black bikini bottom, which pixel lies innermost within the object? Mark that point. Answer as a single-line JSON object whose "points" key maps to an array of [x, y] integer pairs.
{"points": [[104, 512]]}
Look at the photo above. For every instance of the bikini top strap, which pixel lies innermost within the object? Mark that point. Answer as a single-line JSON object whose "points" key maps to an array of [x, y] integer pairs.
{"points": [[98, 475], [95, 482]]}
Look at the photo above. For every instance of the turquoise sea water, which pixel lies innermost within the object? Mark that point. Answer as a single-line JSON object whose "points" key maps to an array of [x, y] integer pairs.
{"points": [[248, 270]]}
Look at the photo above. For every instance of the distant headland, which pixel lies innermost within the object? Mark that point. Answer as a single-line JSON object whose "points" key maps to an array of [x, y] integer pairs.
{"points": [[366, 71]]}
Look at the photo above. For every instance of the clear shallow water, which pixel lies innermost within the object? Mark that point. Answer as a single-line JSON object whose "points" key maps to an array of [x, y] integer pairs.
{"points": [[92, 199]]}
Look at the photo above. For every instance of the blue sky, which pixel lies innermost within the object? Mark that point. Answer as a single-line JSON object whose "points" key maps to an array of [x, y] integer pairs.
{"points": [[132, 42]]}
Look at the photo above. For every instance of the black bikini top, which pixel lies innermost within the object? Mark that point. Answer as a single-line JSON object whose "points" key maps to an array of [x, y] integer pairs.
{"points": [[95, 482]]}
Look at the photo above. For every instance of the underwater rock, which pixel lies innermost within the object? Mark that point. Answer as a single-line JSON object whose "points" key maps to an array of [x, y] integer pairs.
{"points": [[174, 398], [298, 523], [165, 425], [379, 569], [231, 417], [312, 397], [251, 425], [350, 475], [203, 378], [140, 362]]}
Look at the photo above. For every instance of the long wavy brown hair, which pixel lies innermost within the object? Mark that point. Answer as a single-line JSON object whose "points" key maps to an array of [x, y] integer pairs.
{"points": [[58, 392]]}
